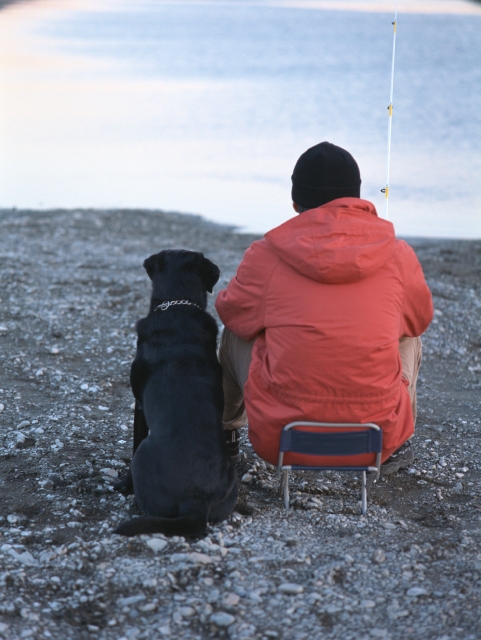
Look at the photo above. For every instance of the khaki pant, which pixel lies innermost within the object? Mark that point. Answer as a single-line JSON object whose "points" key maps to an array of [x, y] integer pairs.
{"points": [[235, 358]]}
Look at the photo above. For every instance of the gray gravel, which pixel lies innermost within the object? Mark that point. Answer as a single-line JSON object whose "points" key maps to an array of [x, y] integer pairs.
{"points": [[72, 289]]}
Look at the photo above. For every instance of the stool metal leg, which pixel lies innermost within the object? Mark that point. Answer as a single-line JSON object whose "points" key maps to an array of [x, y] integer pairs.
{"points": [[364, 494], [285, 484]]}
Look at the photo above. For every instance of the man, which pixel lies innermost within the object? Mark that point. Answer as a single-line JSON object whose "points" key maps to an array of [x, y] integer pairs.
{"points": [[323, 318]]}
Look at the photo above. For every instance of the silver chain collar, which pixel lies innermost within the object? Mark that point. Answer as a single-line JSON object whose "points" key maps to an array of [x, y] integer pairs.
{"points": [[165, 305]]}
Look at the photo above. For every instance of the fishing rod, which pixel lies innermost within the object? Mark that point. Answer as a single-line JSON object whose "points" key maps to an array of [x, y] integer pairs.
{"points": [[390, 107]]}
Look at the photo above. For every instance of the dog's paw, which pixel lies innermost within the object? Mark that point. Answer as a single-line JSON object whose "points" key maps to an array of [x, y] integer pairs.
{"points": [[125, 486]]}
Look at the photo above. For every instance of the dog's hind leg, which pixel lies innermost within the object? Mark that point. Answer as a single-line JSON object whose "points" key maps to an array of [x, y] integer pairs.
{"points": [[191, 524], [222, 510], [141, 431]]}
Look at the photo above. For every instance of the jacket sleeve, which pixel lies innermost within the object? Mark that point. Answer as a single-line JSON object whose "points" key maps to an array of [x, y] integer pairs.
{"points": [[417, 308], [241, 306]]}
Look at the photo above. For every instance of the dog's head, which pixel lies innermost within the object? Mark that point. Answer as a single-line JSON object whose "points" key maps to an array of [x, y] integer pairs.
{"points": [[180, 274]]}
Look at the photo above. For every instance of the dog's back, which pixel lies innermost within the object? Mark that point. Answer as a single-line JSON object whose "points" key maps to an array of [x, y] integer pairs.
{"points": [[182, 473]]}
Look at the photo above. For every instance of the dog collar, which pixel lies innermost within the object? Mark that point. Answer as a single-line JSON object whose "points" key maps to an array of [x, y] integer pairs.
{"points": [[165, 305]]}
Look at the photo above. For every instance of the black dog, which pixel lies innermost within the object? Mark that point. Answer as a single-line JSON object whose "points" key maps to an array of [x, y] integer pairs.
{"points": [[181, 472]]}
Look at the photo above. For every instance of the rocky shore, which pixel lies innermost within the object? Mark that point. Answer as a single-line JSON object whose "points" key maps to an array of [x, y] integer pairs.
{"points": [[72, 288]]}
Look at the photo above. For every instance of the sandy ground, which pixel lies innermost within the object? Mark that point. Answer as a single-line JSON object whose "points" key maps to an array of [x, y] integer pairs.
{"points": [[72, 288]]}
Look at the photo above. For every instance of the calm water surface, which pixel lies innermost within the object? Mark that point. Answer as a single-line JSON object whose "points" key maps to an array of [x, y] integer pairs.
{"points": [[204, 107]]}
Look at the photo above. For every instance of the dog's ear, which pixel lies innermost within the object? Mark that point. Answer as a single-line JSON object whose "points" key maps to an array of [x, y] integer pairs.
{"points": [[210, 273], [154, 263]]}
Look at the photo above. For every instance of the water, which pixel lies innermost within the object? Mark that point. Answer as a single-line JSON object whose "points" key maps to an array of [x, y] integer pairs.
{"points": [[204, 107]]}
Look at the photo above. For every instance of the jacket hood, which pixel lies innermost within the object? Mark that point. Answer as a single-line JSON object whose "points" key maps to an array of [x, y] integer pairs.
{"points": [[342, 241]]}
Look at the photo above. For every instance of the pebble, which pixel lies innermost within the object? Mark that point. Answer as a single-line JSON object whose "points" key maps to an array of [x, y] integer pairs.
{"points": [[157, 544], [230, 600], [291, 589], [127, 602], [194, 557], [25, 558], [389, 525], [246, 478], [3, 330], [109, 472], [188, 612], [368, 604], [222, 619], [414, 592], [458, 488], [2, 406], [378, 556], [23, 424], [102, 408]]}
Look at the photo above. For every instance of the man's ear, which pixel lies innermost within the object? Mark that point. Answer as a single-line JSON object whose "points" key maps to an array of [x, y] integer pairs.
{"points": [[154, 263], [210, 273]]}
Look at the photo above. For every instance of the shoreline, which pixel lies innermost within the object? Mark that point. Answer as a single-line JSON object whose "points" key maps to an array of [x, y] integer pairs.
{"points": [[201, 219]]}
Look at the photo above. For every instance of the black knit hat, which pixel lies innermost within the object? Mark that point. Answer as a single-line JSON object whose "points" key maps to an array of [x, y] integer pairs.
{"points": [[324, 173]]}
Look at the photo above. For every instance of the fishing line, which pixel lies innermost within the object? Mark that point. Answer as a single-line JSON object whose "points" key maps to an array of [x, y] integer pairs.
{"points": [[390, 107]]}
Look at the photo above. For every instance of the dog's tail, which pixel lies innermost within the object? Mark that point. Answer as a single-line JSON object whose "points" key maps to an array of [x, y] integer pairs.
{"points": [[188, 525]]}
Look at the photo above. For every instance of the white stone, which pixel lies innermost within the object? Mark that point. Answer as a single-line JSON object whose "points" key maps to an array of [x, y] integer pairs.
{"points": [[230, 600], [187, 612], [246, 478], [126, 602], [23, 424], [2, 407], [25, 558], [290, 588], [12, 519], [378, 556], [110, 472], [416, 591], [102, 408], [222, 619], [157, 544], [194, 557], [368, 604], [3, 330]]}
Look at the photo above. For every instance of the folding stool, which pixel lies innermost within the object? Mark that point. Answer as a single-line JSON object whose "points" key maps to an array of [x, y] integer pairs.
{"points": [[361, 439]]}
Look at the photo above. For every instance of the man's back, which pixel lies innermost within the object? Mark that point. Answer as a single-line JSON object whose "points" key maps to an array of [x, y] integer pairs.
{"points": [[329, 294]]}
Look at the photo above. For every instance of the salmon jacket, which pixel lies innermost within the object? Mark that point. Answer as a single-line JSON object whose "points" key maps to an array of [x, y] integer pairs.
{"points": [[327, 295]]}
